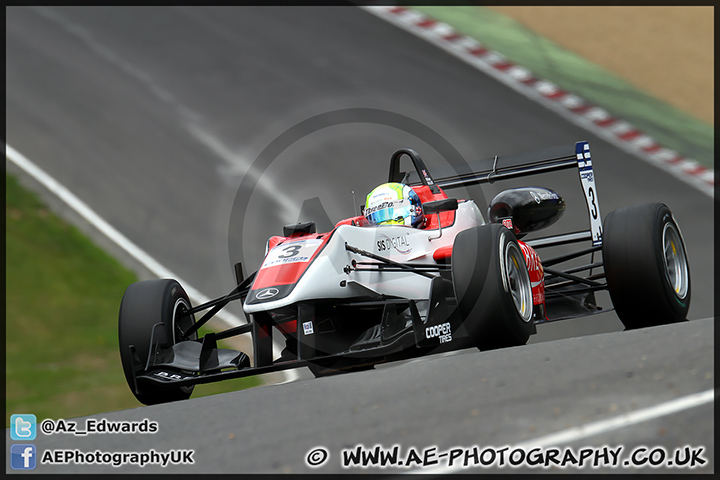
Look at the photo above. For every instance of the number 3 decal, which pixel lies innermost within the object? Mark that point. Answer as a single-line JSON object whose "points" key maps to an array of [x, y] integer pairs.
{"points": [[291, 250], [295, 252], [593, 207]]}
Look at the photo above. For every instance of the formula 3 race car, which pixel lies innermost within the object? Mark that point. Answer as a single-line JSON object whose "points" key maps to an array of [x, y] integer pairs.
{"points": [[363, 294]]}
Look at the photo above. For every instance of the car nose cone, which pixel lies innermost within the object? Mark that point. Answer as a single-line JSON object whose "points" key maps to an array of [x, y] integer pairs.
{"points": [[266, 293]]}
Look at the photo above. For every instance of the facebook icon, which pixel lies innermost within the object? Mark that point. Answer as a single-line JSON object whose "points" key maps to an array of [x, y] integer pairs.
{"points": [[22, 457]]}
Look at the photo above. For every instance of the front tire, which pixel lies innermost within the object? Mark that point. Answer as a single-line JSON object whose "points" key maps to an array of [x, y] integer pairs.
{"points": [[150, 309], [646, 266], [492, 287]]}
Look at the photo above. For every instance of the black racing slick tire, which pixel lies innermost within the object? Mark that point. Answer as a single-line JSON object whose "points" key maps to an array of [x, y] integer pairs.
{"points": [[492, 287], [149, 313], [646, 266]]}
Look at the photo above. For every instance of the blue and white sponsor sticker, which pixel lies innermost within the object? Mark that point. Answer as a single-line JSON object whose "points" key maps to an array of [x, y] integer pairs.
{"points": [[587, 178]]}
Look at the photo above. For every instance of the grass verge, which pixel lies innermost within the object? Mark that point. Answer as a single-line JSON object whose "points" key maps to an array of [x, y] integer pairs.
{"points": [[62, 300]]}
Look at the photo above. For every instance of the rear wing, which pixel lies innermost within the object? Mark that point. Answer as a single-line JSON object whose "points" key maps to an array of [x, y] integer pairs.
{"points": [[525, 164]]}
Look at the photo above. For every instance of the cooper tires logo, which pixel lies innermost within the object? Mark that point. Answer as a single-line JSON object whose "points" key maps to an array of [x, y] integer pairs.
{"points": [[267, 293]]}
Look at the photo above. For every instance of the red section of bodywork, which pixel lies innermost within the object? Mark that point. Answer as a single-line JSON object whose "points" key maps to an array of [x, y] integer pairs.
{"points": [[286, 274], [535, 269], [426, 194], [273, 241], [279, 275], [443, 253]]}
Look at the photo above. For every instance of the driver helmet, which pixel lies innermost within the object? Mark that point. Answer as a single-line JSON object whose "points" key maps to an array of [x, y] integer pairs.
{"points": [[394, 204]]}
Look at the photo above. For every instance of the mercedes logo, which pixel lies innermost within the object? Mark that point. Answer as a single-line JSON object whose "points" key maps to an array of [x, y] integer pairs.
{"points": [[267, 293]]}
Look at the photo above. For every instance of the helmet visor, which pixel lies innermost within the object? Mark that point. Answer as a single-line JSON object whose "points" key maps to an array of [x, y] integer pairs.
{"points": [[396, 212]]}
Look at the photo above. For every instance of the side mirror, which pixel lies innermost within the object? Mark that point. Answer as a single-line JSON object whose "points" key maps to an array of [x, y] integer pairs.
{"points": [[438, 206]]}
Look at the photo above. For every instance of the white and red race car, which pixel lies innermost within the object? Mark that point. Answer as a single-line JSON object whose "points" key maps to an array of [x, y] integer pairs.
{"points": [[362, 294]]}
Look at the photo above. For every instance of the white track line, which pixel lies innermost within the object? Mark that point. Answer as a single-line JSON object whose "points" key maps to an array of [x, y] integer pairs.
{"points": [[595, 428], [118, 238], [569, 106], [106, 229]]}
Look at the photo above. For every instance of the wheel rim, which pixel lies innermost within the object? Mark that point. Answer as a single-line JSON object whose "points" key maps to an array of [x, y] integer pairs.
{"points": [[518, 281], [676, 267], [180, 307]]}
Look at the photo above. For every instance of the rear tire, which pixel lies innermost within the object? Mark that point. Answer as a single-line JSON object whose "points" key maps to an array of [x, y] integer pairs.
{"points": [[492, 287], [144, 305], [646, 266]]}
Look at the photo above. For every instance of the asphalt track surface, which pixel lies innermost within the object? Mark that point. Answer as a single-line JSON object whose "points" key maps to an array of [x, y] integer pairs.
{"points": [[154, 116]]}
